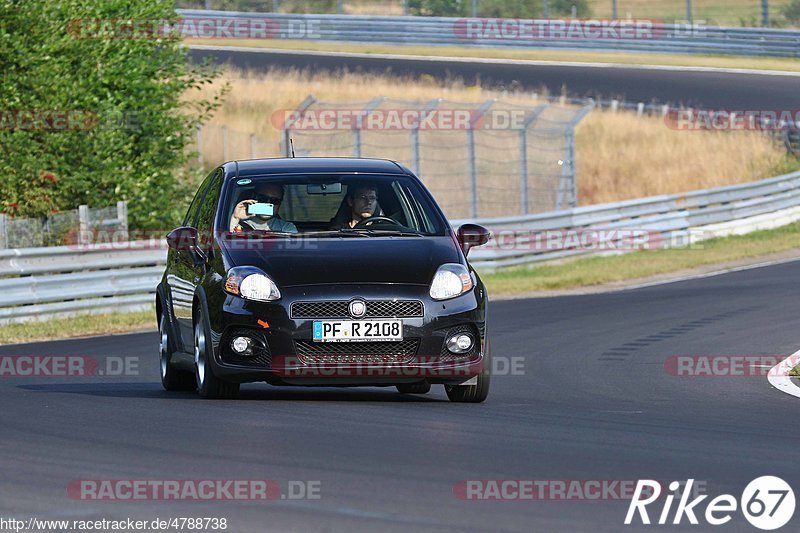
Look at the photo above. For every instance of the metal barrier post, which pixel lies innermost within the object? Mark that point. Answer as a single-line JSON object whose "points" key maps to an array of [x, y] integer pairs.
{"points": [[3, 231], [122, 216], [83, 224]]}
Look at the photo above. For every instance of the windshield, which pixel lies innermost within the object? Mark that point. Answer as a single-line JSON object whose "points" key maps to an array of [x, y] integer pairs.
{"points": [[330, 205]]}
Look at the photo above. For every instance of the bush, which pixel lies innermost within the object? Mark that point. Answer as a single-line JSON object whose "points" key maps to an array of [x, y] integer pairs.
{"points": [[792, 12], [114, 123]]}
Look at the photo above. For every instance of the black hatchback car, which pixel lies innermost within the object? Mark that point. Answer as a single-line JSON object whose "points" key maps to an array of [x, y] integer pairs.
{"points": [[321, 272]]}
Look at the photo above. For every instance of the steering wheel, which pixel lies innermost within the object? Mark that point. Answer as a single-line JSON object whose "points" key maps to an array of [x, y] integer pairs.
{"points": [[372, 220]]}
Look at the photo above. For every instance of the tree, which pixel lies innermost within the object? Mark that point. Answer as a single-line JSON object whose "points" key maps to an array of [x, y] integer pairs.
{"points": [[92, 114]]}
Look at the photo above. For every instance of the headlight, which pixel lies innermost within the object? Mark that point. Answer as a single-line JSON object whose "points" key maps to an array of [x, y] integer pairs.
{"points": [[251, 285], [451, 280]]}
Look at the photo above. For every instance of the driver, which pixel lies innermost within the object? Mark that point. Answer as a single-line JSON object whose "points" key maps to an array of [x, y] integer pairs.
{"points": [[363, 202], [267, 193]]}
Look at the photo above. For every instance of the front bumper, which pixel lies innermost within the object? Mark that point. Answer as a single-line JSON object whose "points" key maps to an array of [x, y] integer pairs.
{"points": [[291, 358]]}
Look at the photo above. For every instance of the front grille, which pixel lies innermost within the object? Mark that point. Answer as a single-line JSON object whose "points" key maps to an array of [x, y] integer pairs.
{"points": [[375, 309], [383, 352]]}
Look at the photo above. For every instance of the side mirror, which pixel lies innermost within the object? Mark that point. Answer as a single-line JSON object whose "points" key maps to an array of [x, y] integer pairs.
{"points": [[470, 235], [183, 239]]}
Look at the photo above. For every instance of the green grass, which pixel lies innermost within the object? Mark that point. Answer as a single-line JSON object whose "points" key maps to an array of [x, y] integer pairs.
{"points": [[590, 271], [78, 326], [779, 64]]}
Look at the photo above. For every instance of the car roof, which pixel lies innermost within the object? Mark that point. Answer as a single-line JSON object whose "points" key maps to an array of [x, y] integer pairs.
{"points": [[312, 165]]}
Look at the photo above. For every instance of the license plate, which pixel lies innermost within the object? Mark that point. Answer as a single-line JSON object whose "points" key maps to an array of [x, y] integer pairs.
{"points": [[357, 330]]}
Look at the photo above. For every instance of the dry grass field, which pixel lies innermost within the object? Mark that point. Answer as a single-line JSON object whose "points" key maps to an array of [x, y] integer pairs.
{"points": [[619, 155]]}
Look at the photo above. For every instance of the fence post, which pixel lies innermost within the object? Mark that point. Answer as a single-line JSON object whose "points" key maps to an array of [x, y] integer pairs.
{"points": [[689, 11], [415, 155], [199, 145], [474, 8], [765, 13], [253, 146], [405, 7], [286, 149], [122, 216], [83, 224], [3, 232], [375, 102], [523, 156], [276, 5], [339, 7], [545, 10], [473, 169], [568, 184], [613, 9]]}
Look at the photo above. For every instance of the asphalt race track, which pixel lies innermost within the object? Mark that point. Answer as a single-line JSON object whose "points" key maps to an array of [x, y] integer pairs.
{"points": [[715, 90], [592, 402]]}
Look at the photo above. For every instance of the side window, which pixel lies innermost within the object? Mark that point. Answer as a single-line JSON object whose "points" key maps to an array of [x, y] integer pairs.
{"points": [[208, 208], [191, 214]]}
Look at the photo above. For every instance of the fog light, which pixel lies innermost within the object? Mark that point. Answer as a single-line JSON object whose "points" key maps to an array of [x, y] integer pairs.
{"points": [[242, 345], [461, 343]]}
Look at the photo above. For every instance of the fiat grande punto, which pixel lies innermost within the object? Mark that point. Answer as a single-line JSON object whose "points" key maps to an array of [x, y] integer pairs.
{"points": [[321, 272]]}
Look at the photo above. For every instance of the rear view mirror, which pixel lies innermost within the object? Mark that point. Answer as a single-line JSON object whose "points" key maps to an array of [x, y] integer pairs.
{"points": [[261, 209], [324, 188], [470, 235]]}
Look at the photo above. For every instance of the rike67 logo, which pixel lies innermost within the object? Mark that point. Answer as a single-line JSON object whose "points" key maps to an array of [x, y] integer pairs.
{"points": [[767, 503]]}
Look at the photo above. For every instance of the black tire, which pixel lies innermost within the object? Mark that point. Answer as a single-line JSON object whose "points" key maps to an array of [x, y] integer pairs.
{"points": [[473, 393], [414, 388], [172, 379], [209, 386]]}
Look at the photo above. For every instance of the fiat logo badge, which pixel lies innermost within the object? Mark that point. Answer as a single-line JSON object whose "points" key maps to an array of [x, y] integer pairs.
{"points": [[358, 308]]}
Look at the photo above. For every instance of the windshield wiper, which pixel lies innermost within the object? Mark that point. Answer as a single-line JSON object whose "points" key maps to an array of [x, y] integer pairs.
{"points": [[384, 232], [333, 232]]}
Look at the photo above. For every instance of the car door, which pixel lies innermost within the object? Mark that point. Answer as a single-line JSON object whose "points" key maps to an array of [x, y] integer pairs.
{"points": [[184, 269]]}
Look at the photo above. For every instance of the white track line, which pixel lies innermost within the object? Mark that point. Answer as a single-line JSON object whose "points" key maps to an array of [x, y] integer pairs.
{"points": [[671, 68], [779, 375]]}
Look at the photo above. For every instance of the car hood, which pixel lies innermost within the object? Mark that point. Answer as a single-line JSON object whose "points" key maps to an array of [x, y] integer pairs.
{"points": [[290, 262]]}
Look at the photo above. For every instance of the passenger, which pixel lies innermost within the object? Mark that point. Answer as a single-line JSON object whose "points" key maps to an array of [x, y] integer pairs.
{"points": [[266, 193]]}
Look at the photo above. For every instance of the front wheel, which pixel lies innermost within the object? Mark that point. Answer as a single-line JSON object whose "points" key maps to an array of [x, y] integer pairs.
{"points": [[171, 378], [473, 393], [209, 386]]}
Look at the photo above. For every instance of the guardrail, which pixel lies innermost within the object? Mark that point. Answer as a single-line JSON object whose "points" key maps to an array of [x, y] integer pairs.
{"points": [[47, 282], [447, 31], [657, 221]]}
